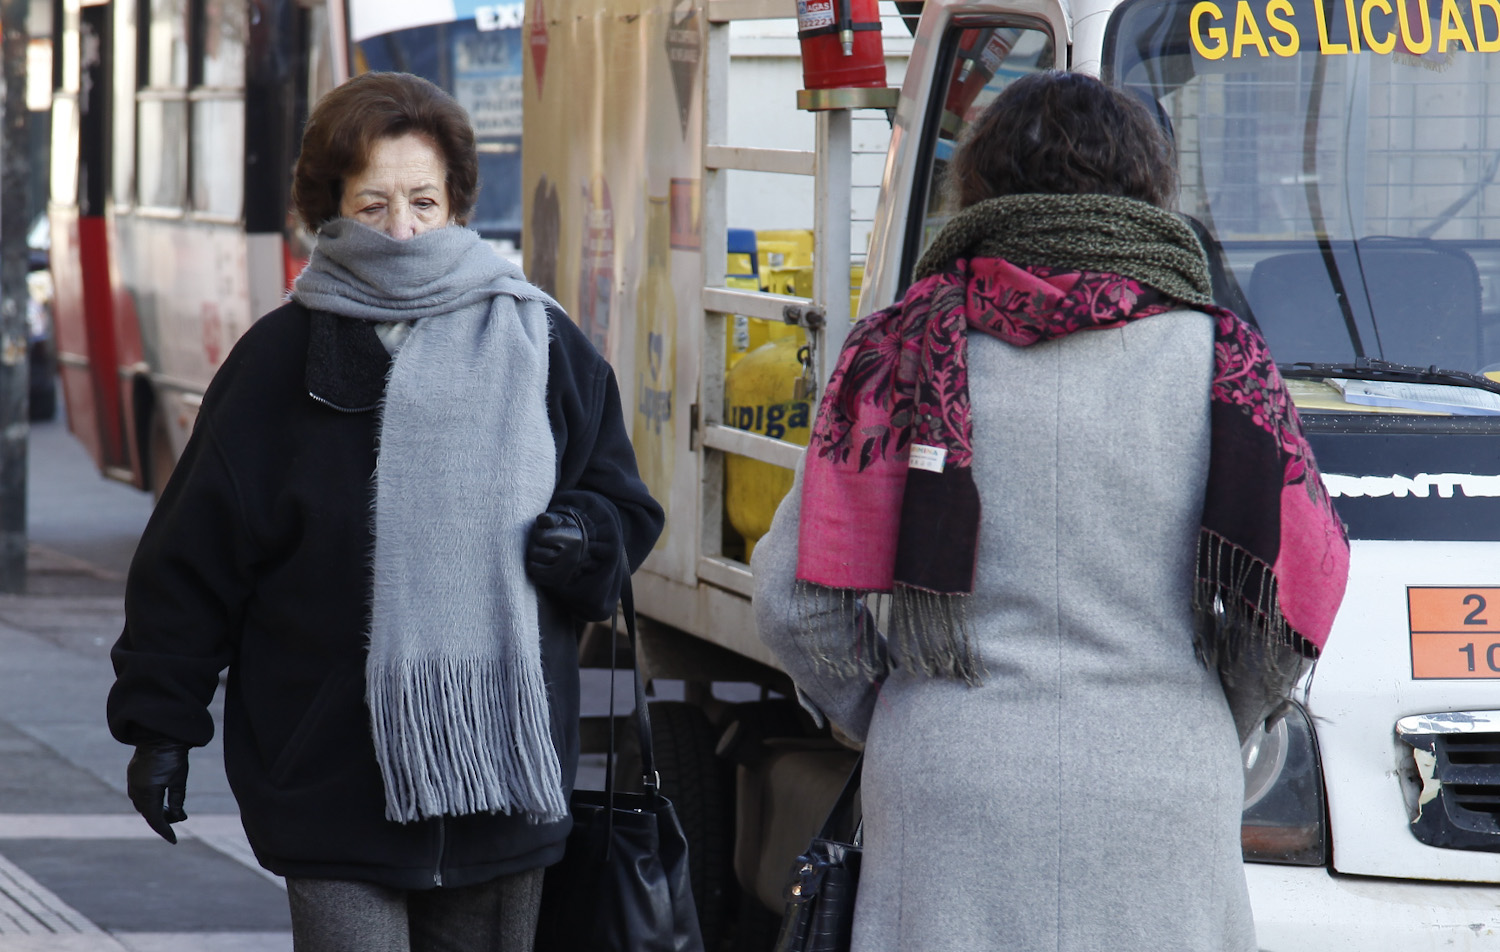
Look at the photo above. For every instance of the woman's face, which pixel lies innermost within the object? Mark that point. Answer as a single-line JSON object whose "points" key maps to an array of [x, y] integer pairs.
{"points": [[402, 191]]}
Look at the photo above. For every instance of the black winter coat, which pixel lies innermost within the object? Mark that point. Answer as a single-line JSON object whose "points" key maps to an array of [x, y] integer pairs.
{"points": [[257, 559]]}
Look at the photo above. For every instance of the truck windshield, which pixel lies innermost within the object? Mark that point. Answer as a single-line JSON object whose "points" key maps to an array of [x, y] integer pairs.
{"points": [[1339, 163]]}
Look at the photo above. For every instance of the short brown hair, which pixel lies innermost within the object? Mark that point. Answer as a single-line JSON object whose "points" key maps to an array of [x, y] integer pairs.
{"points": [[346, 124], [1064, 134]]}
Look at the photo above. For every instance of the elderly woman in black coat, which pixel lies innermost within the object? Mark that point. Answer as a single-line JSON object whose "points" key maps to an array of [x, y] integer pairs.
{"points": [[405, 491]]}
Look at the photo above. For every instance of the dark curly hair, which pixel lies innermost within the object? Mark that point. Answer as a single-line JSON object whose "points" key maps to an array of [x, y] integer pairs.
{"points": [[1064, 134], [346, 124]]}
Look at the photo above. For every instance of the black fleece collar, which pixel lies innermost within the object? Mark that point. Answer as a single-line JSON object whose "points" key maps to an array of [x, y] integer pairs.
{"points": [[346, 363]]}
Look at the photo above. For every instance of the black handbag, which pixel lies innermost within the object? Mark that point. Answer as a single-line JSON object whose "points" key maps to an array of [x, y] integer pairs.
{"points": [[819, 914], [622, 884]]}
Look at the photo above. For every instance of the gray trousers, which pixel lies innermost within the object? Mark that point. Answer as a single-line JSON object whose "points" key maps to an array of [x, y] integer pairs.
{"points": [[330, 915]]}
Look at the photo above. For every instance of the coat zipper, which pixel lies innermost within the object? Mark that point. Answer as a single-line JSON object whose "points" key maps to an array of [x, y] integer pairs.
{"points": [[334, 406], [437, 872]]}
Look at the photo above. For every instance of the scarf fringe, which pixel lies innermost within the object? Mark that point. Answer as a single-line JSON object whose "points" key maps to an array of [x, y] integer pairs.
{"points": [[461, 736], [1240, 632], [934, 635], [929, 632], [859, 614]]}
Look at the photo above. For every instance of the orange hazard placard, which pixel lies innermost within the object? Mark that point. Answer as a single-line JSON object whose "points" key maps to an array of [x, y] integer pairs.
{"points": [[1455, 632]]}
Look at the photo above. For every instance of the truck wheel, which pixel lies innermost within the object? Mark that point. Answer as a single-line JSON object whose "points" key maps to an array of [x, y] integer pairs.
{"points": [[701, 787]]}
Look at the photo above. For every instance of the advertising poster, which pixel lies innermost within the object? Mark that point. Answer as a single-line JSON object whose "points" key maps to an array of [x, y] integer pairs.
{"points": [[611, 168]]}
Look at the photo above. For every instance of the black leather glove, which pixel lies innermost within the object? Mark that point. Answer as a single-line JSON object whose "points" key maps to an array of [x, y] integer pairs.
{"points": [[156, 781], [556, 547]]}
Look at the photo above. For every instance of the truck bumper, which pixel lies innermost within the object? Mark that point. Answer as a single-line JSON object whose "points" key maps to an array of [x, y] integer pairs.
{"points": [[1298, 909]]}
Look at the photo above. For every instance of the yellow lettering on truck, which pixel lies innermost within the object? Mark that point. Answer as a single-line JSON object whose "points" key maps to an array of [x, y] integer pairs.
{"points": [[1215, 33], [1389, 43], [1293, 42], [1247, 31]]}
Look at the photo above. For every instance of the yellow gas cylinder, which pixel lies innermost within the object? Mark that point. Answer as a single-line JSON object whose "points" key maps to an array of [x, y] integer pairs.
{"points": [[802, 285], [744, 334], [759, 396], [783, 248], [748, 333]]}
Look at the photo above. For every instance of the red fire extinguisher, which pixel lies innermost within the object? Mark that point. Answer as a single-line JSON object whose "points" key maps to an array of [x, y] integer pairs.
{"points": [[841, 44], [978, 61]]}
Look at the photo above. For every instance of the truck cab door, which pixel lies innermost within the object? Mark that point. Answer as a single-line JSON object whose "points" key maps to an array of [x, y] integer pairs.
{"points": [[963, 56]]}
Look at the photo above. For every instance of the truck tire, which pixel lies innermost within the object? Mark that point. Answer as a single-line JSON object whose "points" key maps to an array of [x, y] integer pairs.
{"points": [[701, 787]]}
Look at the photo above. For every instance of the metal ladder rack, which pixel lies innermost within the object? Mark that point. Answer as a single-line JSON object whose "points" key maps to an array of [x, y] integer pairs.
{"points": [[825, 315]]}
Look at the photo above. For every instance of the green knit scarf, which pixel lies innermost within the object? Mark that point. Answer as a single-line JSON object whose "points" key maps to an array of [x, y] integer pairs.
{"points": [[1100, 233]]}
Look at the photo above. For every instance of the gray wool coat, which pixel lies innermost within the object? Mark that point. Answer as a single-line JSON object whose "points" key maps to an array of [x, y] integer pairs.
{"points": [[1086, 796]]}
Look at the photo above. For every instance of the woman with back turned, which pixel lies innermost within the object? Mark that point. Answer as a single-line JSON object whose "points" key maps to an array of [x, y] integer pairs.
{"points": [[1085, 500], [405, 491]]}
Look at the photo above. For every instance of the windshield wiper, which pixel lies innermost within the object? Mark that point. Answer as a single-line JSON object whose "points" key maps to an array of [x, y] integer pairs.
{"points": [[1370, 368]]}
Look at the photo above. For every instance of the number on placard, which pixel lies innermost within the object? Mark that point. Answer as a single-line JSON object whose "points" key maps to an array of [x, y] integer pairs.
{"points": [[1455, 631], [1472, 618], [1489, 655]]}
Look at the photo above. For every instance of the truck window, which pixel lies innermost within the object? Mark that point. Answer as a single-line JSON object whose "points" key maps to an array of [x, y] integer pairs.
{"points": [[979, 61], [1340, 161]]}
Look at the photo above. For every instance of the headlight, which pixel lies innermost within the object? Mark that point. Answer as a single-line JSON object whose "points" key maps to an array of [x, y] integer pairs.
{"points": [[1284, 818]]}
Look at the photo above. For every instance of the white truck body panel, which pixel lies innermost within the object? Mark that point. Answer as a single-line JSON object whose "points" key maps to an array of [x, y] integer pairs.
{"points": [[1363, 684], [1300, 909]]}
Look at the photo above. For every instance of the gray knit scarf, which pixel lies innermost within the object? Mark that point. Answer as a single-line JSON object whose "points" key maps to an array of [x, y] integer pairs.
{"points": [[466, 459]]}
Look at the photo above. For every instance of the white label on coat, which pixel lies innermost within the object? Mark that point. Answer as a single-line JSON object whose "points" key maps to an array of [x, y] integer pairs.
{"points": [[929, 458]]}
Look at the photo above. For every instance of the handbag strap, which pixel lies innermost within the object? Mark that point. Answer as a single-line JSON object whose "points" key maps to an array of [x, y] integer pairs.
{"points": [[649, 777], [843, 807], [650, 780]]}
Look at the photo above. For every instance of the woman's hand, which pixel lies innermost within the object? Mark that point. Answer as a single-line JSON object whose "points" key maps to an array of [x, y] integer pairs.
{"points": [[556, 547], [157, 777]]}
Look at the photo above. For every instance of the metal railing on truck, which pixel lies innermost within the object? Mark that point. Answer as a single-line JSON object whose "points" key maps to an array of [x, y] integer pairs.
{"points": [[739, 825], [824, 316]]}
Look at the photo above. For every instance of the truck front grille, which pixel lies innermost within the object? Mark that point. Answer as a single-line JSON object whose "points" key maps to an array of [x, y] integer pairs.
{"points": [[1457, 755]]}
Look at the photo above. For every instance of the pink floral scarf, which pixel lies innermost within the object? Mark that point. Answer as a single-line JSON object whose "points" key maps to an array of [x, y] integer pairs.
{"points": [[889, 503]]}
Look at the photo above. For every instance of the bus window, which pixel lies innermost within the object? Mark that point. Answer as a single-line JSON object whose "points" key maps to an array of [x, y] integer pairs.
{"points": [[218, 108], [161, 107], [124, 81], [166, 45], [218, 131], [979, 61], [222, 40], [161, 138]]}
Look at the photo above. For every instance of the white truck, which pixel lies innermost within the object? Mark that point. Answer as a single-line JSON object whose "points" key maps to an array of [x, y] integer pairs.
{"points": [[1338, 162]]}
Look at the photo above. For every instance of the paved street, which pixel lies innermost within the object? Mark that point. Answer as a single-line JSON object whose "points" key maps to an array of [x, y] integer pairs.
{"points": [[79, 871]]}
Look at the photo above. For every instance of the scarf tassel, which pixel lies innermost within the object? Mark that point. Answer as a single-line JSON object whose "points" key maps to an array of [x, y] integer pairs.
{"points": [[504, 763], [1241, 633], [929, 632], [934, 635], [858, 615]]}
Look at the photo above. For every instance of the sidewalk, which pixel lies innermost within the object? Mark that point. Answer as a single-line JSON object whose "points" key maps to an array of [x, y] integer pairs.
{"points": [[79, 870]]}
